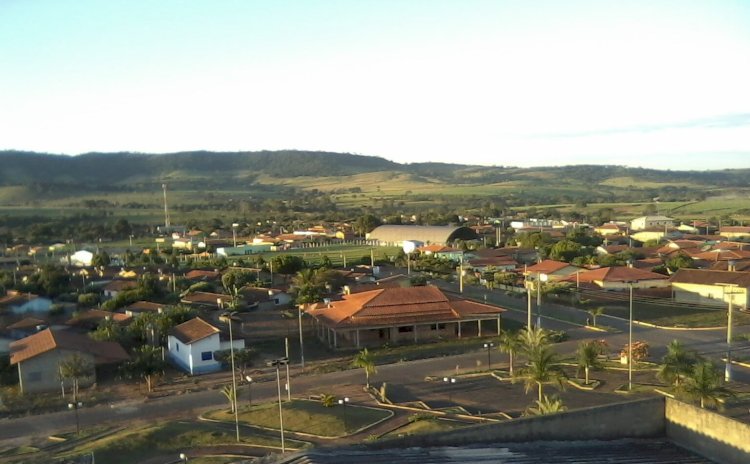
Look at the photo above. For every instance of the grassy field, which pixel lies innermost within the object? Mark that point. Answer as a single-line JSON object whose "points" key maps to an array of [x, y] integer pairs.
{"points": [[308, 417], [129, 446], [678, 316]]}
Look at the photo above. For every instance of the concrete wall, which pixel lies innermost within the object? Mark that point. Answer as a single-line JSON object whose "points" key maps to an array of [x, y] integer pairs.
{"points": [[714, 436], [634, 419], [42, 372]]}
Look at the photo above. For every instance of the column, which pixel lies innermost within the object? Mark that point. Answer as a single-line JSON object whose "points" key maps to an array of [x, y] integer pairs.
{"points": [[415, 333], [335, 340], [459, 329], [479, 327], [499, 325], [357, 337]]}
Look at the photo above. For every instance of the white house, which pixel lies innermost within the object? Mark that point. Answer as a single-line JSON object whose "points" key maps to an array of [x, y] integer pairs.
{"points": [[192, 345], [649, 222]]}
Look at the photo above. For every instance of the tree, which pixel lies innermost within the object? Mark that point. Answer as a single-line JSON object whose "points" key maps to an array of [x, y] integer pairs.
{"points": [[547, 405], [365, 360], [228, 392], [595, 312], [146, 364], [587, 357], [510, 343], [243, 358], [237, 278], [75, 367], [365, 224], [108, 331], [704, 384], [101, 259], [533, 339], [542, 368], [288, 264], [565, 250], [677, 364], [679, 261]]}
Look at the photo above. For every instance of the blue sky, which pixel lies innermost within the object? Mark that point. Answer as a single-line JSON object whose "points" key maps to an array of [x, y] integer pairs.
{"points": [[642, 83]]}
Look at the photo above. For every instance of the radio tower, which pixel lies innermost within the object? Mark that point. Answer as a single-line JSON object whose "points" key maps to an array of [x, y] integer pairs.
{"points": [[166, 210]]}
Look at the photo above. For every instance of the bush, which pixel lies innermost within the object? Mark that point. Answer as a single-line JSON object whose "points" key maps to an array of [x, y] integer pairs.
{"points": [[56, 310], [557, 336], [88, 300], [420, 416]]}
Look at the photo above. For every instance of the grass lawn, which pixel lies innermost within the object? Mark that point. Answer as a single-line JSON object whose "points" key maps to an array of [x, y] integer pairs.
{"points": [[129, 446], [423, 426], [679, 316], [308, 417]]}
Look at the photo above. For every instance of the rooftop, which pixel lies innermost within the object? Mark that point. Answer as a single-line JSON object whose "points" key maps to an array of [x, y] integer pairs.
{"points": [[194, 330], [48, 340]]}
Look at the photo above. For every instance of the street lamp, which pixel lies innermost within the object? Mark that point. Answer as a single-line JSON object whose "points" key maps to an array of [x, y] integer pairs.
{"points": [[730, 310], [630, 336], [277, 363], [234, 377], [234, 234], [249, 389], [450, 381], [183, 457], [540, 280], [488, 346], [75, 406], [344, 402], [301, 342]]}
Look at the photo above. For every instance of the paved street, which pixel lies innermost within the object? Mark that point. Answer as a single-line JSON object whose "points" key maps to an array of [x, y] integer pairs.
{"points": [[406, 376]]}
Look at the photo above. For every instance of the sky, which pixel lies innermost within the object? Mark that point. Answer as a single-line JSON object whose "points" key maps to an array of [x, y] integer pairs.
{"points": [[659, 84]]}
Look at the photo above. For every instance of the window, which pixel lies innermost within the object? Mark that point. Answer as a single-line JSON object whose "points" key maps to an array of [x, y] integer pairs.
{"points": [[207, 356], [34, 377], [176, 346], [407, 328]]}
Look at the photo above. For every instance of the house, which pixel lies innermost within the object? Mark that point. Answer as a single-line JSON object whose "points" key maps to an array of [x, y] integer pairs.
{"points": [[619, 278], [22, 303], [554, 270], [241, 250], [81, 258], [265, 298], [192, 344], [207, 300], [497, 263], [200, 275], [654, 234], [709, 287], [25, 327], [735, 232], [649, 222], [38, 357], [117, 286], [143, 307], [442, 252], [93, 318], [396, 315], [610, 228]]}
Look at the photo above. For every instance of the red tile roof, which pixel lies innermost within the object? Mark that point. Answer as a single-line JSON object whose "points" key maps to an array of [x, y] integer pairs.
{"points": [[617, 274], [206, 299], [96, 316], [120, 285], [709, 277], [438, 249], [399, 306], [194, 330], [548, 266], [27, 323], [145, 307], [199, 274], [736, 229], [48, 340], [14, 297], [721, 255]]}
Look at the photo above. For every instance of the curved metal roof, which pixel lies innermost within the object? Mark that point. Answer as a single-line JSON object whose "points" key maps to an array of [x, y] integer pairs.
{"points": [[440, 235]]}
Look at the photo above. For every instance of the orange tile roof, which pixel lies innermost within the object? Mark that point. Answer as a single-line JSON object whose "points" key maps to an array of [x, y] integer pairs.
{"points": [[197, 274], [721, 255], [736, 229], [616, 274], [48, 340], [709, 277], [438, 249], [95, 316], [547, 266], [399, 306], [14, 297], [120, 285], [194, 330], [206, 298], [27, 323], [145, 307]]}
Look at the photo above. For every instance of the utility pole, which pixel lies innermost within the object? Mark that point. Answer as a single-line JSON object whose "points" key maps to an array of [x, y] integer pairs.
{"points": [[166, 210], [288, 384]]}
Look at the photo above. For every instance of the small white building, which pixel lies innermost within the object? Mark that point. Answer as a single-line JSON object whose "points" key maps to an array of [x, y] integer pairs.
{"points": [[81, 258], [650, 222], [192, 345]]}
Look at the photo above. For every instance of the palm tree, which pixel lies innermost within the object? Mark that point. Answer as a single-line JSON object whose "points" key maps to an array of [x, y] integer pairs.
{"points": [[533, 340], [510, 343], [677, 364], [366, 361], [75, 367], [704, 384], [543, 368], [587, 357], [594, 312], [548, 405]]}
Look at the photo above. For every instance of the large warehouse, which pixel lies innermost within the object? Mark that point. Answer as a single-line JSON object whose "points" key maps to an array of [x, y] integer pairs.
{"points": [[431, 235]]}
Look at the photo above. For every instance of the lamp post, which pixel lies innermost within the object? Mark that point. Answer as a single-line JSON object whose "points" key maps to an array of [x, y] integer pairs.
{"points": [[234, 234], [450, 381], [488, 346], [730, 310], [539, 281], [301, 341], [183, 457], [630, 336], [234, 378], [75, 406], [344, 402], [249, 389], [277, 363]]}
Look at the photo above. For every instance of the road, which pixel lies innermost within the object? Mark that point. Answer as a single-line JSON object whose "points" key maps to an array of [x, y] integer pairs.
{"points": [[189, 405]]}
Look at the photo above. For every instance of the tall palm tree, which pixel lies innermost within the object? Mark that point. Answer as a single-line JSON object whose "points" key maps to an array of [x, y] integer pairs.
{"points": [[705, 384], [365, 360], [510, 343], [548, 405], [228, 392], [543, 368], [677, 364], [587, 357], [533, 340], [75, 367]]}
